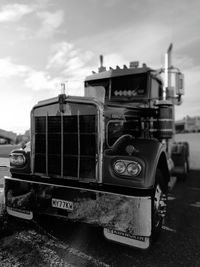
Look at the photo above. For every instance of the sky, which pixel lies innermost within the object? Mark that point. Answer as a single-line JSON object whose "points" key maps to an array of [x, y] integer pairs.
{"points": [[44, 43]]}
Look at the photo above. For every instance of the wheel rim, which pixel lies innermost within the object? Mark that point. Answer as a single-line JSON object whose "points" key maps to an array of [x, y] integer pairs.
{"points": [[159, 206]]}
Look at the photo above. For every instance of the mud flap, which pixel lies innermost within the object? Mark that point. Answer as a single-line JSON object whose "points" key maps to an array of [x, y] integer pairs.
{"points": [[139, 234], [142, 242]]}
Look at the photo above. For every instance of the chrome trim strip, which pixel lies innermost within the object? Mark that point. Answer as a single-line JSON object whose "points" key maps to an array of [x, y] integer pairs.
{"points": [[79, 148], [161, 130], [166, 120], [32, 133], [78, 188], [62, 145], [156, 120], [110, 87], [46, 133], [101, 140]]}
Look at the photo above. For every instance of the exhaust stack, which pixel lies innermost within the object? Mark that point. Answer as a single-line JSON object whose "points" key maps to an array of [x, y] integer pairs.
{"points": [[168, 65], [101, 68]]}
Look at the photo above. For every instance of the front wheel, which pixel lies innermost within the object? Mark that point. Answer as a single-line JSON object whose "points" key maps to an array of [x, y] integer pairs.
{"points": [[159, 204]]}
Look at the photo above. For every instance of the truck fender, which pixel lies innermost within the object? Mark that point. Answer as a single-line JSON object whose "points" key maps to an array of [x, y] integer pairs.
{"points": [[155, 158], [149, 151]]}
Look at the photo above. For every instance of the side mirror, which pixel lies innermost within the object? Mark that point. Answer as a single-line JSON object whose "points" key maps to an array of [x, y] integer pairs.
{"points": [[179, 84]]}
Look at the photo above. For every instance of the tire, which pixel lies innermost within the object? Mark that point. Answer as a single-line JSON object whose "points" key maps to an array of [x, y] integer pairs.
{"points": [[188, 165], [182, 177], [159, 204], [185, 171]]}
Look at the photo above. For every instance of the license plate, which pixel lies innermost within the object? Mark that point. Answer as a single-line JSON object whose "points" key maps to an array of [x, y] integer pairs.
{"points": [[62, 204]]}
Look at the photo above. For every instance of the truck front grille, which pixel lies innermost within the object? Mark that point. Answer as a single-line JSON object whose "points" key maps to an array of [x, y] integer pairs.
{"points": [[66, 145]]}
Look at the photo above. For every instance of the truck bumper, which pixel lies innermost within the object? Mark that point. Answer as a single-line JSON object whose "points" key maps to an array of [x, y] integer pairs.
{"points": [[125, 219]]}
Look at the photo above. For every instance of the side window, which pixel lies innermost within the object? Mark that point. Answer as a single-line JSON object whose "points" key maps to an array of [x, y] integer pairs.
{"points": [[115, 129]]}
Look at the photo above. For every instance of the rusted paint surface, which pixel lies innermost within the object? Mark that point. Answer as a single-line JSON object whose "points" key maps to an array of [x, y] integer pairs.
{"points": [[117, 212]]}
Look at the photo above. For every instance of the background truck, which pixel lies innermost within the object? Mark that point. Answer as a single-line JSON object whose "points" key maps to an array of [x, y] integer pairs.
{"points": [[105, 158]]}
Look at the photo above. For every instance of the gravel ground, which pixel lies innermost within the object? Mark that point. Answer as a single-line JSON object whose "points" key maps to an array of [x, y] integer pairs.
{"points": [[52, 242]]}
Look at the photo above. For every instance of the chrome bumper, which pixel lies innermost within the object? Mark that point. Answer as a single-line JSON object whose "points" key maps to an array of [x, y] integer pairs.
{"points": [[129, 214]]}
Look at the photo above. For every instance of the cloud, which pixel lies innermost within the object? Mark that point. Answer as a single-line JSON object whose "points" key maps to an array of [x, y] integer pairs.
{"points": [[14, 12], [43, 82], [192, 82], [39, 80], [111, 3], [9, 69], [70, 61], [22, 87], [17, 108], [43, 3], [50, 22], [114, 59], [191, 99], [66, 64], [140, 41], [72, 65], [60, 53], [36, 80], [107, 3]]}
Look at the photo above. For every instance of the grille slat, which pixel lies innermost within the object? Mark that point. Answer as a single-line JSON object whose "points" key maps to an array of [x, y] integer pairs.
{"points": [[67, 145]]}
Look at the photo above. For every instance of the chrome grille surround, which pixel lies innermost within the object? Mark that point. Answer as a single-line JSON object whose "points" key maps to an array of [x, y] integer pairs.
{"points": [[68, 145]]}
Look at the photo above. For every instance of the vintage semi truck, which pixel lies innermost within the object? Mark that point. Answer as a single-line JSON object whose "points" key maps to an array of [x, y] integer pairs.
{"points": [[104, 158]]}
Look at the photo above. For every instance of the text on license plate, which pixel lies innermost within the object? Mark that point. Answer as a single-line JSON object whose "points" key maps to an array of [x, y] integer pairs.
{"points": [[62, 204]]}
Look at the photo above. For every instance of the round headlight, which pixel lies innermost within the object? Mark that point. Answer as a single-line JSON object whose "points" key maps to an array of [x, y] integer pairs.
{"points": [[17, 159], [119, 167], [134, 168]]}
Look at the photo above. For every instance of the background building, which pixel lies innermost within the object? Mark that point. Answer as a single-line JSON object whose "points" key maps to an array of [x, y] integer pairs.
{"points": [[188, 125], [7, 137]]}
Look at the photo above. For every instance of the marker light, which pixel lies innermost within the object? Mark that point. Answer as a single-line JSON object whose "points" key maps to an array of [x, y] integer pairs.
{"points": [[17, 159], [125, 93]]}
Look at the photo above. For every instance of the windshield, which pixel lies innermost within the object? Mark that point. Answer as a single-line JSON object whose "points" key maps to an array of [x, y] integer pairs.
{"points": [[129, 87]]}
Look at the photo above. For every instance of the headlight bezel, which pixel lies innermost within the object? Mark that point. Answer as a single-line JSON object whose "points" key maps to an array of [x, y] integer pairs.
{"points": [[119, 162], [136, 164], [127, 173], [17, 159]]}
